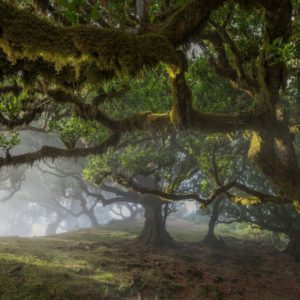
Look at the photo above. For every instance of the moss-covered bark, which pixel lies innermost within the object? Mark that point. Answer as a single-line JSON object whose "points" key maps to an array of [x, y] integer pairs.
{"points": [[273, 153], [54, 152], [24, 35], [181, 96]]}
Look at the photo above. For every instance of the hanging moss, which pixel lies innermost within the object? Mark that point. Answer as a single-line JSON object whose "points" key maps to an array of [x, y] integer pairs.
{"points": [[154, 122], [255, 145], [297, 205], [247, 200], [24, 35]]}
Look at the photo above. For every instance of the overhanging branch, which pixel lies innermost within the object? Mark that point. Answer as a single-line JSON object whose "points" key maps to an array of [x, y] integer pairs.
{"points": [[24, 35], [48, 152], [130, 184]]}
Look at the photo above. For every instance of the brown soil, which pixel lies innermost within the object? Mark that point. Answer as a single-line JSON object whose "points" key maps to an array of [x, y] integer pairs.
{"points": [[244, 270]]}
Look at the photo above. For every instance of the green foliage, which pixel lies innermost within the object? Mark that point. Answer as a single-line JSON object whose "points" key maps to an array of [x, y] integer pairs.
{"points": [[210, 93], [151, 85], [244, 28], [131, 160], [114, 12], [96, 166], [78, 11], [279, 51], [213, 147], [11, 104], [72, 129], [70, 9], [9, 140]]}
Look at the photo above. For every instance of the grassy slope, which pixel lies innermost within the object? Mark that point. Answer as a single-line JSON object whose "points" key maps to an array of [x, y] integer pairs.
{"points": [[104, 263]]}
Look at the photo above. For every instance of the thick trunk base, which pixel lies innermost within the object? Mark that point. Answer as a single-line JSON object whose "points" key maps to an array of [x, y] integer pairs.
{"points": [[162, 239], [213, 241], [154, 233]]}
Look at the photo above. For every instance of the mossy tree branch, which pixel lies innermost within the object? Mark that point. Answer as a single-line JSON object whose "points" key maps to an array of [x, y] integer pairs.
{"points": [[273, 153], [48, 152], [24, 35], [26, 118], [173, 197], [83, 110], [77, 42], [262, 197]]}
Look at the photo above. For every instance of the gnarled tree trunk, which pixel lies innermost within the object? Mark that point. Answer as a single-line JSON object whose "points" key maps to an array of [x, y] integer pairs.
{"points": [[274, 154], [211, 239], [154, 232]]}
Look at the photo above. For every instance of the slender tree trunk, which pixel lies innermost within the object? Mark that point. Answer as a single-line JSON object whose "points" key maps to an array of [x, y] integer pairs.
{"points": [[293, 247], [141, 12], [92, 218], [211, 238], [154, 232], [52, 227]]}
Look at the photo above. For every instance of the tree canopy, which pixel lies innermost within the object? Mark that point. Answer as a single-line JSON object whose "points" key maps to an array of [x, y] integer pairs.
{"points": [[103, 74]]}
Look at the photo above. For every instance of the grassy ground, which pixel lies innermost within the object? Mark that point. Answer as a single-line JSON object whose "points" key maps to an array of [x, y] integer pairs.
{"points": [[106, 263]]}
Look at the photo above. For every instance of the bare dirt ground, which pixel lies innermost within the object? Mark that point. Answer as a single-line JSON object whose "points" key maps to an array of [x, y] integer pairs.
{"points": [[244, 270]]}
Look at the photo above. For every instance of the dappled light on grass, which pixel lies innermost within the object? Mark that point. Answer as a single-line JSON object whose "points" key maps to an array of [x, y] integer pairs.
{"points": [[57, 267]]}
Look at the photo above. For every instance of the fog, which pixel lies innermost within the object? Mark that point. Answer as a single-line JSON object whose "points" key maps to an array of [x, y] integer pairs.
{"points": [[33, 197], [41, 199], [32, 203], [32, 200]]}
